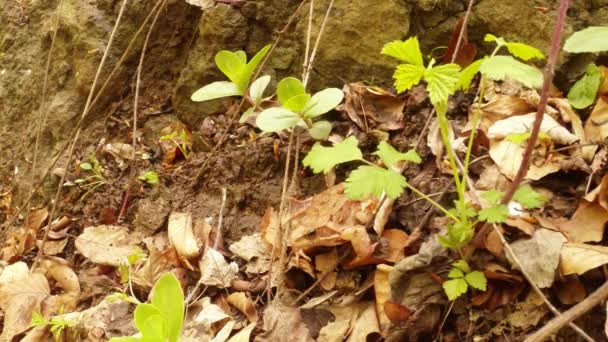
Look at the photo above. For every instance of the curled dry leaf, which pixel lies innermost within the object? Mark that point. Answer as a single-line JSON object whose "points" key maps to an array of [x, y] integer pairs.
{"points": [[580, 257], [499, 107], [283, 324], [106, 245], [373, 107], [181, 235], [254, 250], [205, 320], [21, 293], [215, 271], [243, 335], [529, 312], [587, 223], [162, 258], [61, 272], [366, 326], [539, 255], [523, 124], [382, 290], [502, 288], [23, 239], [244, 304]]}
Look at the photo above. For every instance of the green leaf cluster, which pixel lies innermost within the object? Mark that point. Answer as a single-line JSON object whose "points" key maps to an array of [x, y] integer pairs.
{"points": [[235, 66], [442, 80], [150, 177], [57, 324], [366, 180], [162, 319], [461, 278], [299, 108]]}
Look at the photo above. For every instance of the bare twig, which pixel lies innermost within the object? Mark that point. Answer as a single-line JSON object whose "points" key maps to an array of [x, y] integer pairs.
{"points": [[308, 34], [75, 139], [313, 54], [573, 313], [138, 77], [220, 220], [544, 97]]}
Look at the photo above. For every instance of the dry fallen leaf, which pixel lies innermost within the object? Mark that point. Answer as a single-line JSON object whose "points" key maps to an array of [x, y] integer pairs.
{"points": [[580, 257], [215, 271], [529, 312], [373, 107], [241, 301], [181, 235], [23, 239], [106, 245], [243, 335], [539, 255], [587, 223], [570, 290], [283, 324], [382, 290], [254, 250], [162, 258], [366, 325]]}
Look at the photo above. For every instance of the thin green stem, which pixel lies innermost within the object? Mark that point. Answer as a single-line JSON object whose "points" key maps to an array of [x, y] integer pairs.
{"points": [[445, 135], [430, 200]]}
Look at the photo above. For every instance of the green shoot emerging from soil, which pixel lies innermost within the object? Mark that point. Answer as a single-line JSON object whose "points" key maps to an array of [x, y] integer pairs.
{"points": [[57, 324], [162, 320], [95, 179], [179, 139], [150, 177]]}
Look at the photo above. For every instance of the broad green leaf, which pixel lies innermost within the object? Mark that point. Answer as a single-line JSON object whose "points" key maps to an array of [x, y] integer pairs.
{"points": [[476, 280], [441, 82], [142, 313], [591, 39], [390, 156], [288, 88], [407, 76], [492, 196], [528, 198], [407, 51], [462, 265], [297, 103], [155, 330], [216, 90], [256, 90], [320, 130], [86, 166], [242, 56], [467, 75], [495, 214], [524, 51], [125, 339], [150, 177], [500, 67], [455, 273], [323, 159], [249, 112], [276, 119], [489, 38], [455, 288], [231, 65], [249, 68], [168, 297], [366, 181], [583, 92], [322, 102]]}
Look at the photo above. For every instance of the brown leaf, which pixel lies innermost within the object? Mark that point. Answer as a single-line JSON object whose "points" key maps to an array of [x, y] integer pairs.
{"points": [[373, 107], [244, 304], [397, 240], [327, 262], [106, 245], [162, 259], [396, 312], [529, 312], [366, 325], [182, 236], [254, 250], [215, 271], [539, 255], [587, 223], [382, 290], [596, 126], [283, 324], [580, 257], [570, 290], [466, 51]]}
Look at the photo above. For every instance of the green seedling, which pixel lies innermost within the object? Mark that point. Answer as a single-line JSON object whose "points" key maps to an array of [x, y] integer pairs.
{"points": [[124, 269], [150, 177], [235, 66], [461, 277], [298, 108], [95, 179], [57, 324], [162, 319], [180, 142]]}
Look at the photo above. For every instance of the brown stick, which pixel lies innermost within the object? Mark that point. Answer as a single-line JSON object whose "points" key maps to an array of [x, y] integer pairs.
{"points": [[567, 317]]}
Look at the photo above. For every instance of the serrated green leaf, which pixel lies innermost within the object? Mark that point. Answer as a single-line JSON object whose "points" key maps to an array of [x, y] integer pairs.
{"points": [[320, 130], [288, 88], [528, 198], [37, 319], [390, 156], [467, 75], [322, 102], [455, 288], [524, 51], [441, 82], [407, 51], [216, 90], [256, 90], [489, 38], [168, 297], [297, 103], [462, 265], [323, 159], [366, 181], [495, 214], [231, 65], [249, 112], [476, 280], [591, 39], [277, 119], [584, 91], [407, 76], [492, 196], [455, 273], [463, 208], [500, 67], [250, 67]]}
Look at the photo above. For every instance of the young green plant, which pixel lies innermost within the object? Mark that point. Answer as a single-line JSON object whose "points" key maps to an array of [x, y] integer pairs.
{"points": [[57, 324], [162, 319], [150, 177], [180, 140], [95, 178]]}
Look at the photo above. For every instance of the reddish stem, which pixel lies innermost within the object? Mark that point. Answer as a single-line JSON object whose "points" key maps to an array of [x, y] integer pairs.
{"points": [[544, 96]]}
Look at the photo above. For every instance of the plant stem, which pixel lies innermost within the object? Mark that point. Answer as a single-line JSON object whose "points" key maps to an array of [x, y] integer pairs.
{"points": [[430, 200]]}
